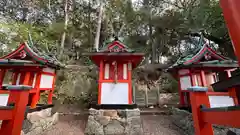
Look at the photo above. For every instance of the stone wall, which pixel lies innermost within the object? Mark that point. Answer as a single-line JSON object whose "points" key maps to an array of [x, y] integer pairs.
{"points": [[114, 122], [38, 122], [183, 120]]}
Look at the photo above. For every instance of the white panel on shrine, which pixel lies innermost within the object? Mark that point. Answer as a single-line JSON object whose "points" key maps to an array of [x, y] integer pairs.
{"points": [[49, 70], [220, 101], [183, 71], [46, 81], [185, 82], [34, 80], [112, 93], [4, 99], [124, 71], [106, 71]]}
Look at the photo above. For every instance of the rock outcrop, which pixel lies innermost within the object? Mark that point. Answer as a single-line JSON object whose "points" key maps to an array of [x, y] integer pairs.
{"points": [[38, 122]]}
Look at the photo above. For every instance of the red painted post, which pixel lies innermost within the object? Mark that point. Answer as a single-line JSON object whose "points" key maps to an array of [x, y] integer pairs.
{"points": [[203, 78], [129, 76], [198, 99], [50, 94], [231, 13], [2, 74], [100, 82], [35, 97], [14, 126], [181, 93]]}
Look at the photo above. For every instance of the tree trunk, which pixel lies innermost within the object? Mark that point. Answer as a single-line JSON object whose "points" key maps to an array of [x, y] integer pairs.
{"points": [[65, 27], [134, 92], [89, 23], [158, 93], [96, 44], [146, 97]]}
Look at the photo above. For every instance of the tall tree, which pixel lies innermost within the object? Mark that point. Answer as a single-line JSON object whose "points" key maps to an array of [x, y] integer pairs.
{"points": [[99, 23], [66, 19]]}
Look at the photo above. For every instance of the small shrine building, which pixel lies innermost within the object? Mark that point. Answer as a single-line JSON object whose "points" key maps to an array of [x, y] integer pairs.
{"points": [[204, 67], [41, 75], [116, 62]]}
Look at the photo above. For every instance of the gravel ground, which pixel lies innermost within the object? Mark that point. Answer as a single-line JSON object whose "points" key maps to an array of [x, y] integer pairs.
{"points": [[68, 125], [159, 125], [153, 125]]}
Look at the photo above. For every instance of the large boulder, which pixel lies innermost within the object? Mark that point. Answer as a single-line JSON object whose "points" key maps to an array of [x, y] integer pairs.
{"points": [[38, 122]]}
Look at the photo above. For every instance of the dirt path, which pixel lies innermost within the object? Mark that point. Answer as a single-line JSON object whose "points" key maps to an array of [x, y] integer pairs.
{"points": [[68, 125], [153, 125], [159, 125]]}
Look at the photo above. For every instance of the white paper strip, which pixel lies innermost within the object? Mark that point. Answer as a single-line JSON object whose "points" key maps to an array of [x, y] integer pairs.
{"points": [[124, 71], [106, 72]]}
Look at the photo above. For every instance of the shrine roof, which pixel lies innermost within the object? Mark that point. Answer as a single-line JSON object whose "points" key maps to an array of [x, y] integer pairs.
{"points": [[27, 51], [204, 56], [114, 48], [114, 54], [109, 46], [210, 64]]}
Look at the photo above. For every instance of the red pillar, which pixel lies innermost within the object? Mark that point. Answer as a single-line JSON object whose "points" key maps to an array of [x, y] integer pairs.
{"points": [[129, 76], [50, 94], [197, 99], [2, 74], [231, 14], [35, 96], [181, 95], [203, 78], [100, 82], [14, 126]]}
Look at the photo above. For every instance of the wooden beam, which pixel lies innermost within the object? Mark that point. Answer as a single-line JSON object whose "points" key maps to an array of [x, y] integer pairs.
{"points": [[226, 118], [6, 114]]}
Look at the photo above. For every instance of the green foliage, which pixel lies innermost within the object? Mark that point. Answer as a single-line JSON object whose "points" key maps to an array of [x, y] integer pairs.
{"points": [[172, 87], [91, 97], [168, 83]]}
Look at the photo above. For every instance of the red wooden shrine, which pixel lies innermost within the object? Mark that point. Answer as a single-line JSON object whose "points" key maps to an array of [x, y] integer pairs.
{"points": [[227, 110], [41, 78], [115, 62], [201, 68]]}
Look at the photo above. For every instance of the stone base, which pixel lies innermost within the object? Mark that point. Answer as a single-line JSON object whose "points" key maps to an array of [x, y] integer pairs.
{"points": [[114, 122]]}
